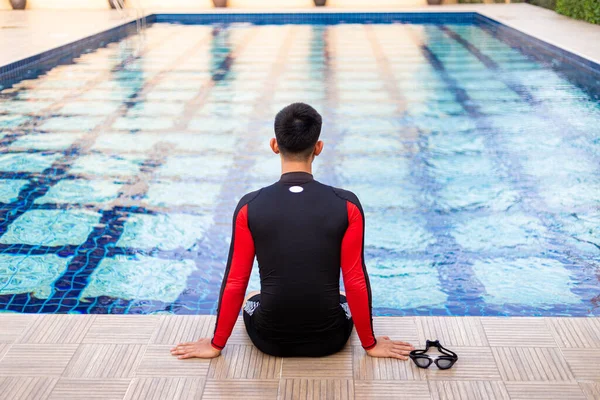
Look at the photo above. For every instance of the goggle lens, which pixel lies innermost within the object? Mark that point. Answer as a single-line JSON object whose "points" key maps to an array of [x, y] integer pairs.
{"points": [[443, 363], [422, 362]]}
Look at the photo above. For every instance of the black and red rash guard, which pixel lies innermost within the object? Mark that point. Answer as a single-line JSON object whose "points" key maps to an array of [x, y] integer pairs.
{"points": [[303, 233]]}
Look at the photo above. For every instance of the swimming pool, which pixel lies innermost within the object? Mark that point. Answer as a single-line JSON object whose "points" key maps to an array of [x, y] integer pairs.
{"points": [[477, 166]]}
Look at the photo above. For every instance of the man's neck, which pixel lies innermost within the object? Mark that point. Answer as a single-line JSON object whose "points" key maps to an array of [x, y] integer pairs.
{"points": [[296, 166]]}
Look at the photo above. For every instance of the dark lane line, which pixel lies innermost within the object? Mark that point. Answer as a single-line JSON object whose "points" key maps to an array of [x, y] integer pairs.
{"points": [[445, 254], [535, 207]]}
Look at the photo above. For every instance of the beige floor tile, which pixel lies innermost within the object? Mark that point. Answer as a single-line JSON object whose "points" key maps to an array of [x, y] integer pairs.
{"points": [[519, 331], [36, 359], [166, 389], [353, 340], [542, 372], [450, 331], [532, 364], [52, 328], [391, 390], [175, 329], [244, 362], [576, 332], [474, 364], [239, 334], [158, 361], [122, 329], [316, 389], [80, 389], [338, 365], [240, 389], [397, 328], [20, 388], [468, 390], [13, 325], [371, 368], [105, 361], [591, 390], [544, 391], [585, 363]]}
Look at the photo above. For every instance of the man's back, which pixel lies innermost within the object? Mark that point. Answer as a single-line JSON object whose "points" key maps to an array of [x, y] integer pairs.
{"points": [[303, 233], [298, 225]]}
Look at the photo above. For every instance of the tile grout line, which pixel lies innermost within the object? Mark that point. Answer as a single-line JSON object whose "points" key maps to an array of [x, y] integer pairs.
{"points": [[129, 388], [550, 330], [54, 384], [146, 345], [485, 335], [279, 396], [567, 364], [21, 336], [62, 374], [205, 380], [8, 347], [353, 376]]}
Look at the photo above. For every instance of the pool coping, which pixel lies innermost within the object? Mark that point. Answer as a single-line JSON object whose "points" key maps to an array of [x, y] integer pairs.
{"points": [[555, 50], [63, 356], [13, 72]]}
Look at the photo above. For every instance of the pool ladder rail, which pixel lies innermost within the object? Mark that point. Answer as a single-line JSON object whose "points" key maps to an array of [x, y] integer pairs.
{"points": [[140, 18]]}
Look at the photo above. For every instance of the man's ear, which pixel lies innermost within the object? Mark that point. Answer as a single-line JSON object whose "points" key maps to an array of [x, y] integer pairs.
{"points": [[318, 147], [274, 146]]}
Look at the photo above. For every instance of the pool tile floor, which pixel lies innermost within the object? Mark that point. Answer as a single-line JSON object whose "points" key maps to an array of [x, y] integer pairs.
{"points": [[127, 357]]}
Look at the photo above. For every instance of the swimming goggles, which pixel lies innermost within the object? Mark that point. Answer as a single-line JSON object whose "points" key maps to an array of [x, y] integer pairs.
{"points": [[422, 360]]}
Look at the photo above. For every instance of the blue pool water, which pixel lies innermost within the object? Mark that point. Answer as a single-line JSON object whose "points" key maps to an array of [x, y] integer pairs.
{"points": [[476, 164]]}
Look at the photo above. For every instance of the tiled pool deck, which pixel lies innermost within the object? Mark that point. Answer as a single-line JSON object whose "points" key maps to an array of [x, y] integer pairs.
{"points": [[127, 357], [25, 34]]}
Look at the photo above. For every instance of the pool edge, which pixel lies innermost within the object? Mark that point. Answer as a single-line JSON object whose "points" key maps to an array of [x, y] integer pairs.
{"points": [[15, 71]]}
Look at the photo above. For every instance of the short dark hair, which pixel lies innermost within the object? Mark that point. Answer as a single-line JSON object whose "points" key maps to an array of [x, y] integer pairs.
{"points": [[297, 129]]}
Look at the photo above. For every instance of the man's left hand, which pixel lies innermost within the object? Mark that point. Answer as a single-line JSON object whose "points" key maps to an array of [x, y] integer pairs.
{"points": [[200, 349]]}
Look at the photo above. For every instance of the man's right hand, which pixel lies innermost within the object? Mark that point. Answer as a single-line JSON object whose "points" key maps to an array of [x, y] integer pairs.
{"points": [[386, 347], [200, 349]]}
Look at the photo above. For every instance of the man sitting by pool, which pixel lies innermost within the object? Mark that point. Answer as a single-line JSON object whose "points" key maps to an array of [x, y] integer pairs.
{"points": [[302, 233]]}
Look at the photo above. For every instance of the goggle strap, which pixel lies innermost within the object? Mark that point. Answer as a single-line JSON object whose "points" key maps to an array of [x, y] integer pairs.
{"points": [[447, 352], [435, 343]]}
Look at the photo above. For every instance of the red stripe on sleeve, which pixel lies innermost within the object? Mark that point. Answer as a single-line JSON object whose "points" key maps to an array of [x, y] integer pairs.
{"points": [[236, 279], [356, 281]]}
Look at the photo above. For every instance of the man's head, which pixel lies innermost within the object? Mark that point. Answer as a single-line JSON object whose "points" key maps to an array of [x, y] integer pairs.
{"points": [[297, 130]]}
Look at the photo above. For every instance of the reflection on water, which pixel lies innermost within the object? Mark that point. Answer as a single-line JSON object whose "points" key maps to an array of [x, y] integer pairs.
{"points": [[476, 165]]}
